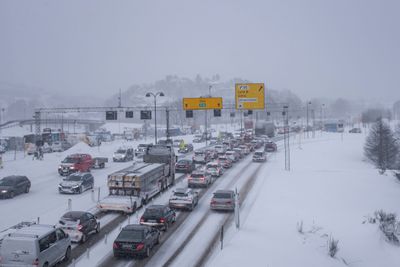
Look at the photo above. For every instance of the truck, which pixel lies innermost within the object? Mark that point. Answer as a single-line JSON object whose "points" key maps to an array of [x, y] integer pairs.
{"points": [[132, 187], [80, 163]]}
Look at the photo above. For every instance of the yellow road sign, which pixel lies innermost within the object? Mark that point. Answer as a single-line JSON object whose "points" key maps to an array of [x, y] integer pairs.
{"points": [[250, 95], [202, 103]]}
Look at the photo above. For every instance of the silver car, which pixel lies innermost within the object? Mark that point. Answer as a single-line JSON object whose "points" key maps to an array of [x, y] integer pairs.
{"points": [[35, 245], [223, 200]]}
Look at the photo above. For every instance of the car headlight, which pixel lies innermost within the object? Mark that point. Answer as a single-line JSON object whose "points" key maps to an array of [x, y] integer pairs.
{"points": [[75, 186], [59, 185], [72, 168], [4, 191]]}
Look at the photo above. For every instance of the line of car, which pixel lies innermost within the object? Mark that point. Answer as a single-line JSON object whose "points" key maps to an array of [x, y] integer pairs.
{"points": [[139, 239]]}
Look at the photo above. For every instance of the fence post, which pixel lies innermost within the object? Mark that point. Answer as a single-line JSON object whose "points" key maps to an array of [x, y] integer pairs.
{"points": [[69, 204], [105, 239], [38, 220], [88, 253], [221, 238], [98, 194]]}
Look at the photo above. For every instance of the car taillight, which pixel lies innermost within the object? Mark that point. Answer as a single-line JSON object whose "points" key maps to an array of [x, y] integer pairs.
{"points": [[80, 226], [162, 220], [35, 262], [141, 219], [139, 246], [115, 245], [213, 202], [229, 202]]}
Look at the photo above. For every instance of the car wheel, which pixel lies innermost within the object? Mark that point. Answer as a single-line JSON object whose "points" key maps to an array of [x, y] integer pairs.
{"points": [[27, 189], [67, 254], [80, 190], [84, 238], [147, 252], [46, 264], [166, 226], [11, 194], [98, 228]]}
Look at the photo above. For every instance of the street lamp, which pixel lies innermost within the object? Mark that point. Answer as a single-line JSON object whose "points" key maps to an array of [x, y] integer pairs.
{"points": [[308, 103], [155, 111]]}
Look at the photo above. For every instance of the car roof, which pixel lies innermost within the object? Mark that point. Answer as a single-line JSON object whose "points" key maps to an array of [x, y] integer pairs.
{"points": [[155, 207], [74, 214], [32, 232], [224, 192], [136, 227], [182, 190], [11, 177]]}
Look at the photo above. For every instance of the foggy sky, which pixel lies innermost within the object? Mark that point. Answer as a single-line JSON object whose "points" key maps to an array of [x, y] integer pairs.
{"points": [[326, 48]]}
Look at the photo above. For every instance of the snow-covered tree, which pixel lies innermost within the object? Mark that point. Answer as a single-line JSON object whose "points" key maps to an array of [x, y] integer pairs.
{"points": [[381, 146]]}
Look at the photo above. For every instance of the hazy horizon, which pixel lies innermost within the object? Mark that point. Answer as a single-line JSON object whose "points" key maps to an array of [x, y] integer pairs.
{"points": [[313, 48]]}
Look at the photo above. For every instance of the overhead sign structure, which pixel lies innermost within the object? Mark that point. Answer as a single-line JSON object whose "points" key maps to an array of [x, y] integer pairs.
{"points": [[250, 95], [200, 103]]}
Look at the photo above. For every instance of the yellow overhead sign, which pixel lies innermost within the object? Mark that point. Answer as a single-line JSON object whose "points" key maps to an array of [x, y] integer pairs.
{"points": [[250, 95], [202, 103]]}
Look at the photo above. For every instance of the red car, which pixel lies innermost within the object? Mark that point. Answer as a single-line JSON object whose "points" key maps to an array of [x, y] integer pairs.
{"points": [[75, 163], [225, 162]]}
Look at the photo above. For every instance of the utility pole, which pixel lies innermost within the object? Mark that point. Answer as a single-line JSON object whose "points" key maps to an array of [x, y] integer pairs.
{"points": [[313, 124], [308, 103], [167, 114], [286, 135], [119, 99]]}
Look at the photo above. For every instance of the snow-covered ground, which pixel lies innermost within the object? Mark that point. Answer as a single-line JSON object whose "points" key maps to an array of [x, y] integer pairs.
{"points": [[332, 190]]}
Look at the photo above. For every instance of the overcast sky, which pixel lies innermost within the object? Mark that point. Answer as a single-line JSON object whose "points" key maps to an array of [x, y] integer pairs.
{"points": [[325, 48]]}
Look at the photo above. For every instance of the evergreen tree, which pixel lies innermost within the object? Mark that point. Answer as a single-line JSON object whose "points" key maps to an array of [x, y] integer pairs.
{"points": [[381, 146]]}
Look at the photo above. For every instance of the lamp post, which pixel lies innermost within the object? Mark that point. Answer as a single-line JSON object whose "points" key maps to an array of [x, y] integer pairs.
{"points": [[308, 103], [155, 111]]}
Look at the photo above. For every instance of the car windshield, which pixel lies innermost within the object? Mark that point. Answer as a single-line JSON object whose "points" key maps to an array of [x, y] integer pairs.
{"points": [[183, 162], [134, 235], [199, 153], [222, 195], [70, 160], [121, 151], [7, 182], [212, 169], [258, 154], [73, 178]]}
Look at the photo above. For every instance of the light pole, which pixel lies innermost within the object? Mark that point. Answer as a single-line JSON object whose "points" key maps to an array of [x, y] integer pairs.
{"points": [[308, 103], [286, 131], [155, 111], [1, 117]]}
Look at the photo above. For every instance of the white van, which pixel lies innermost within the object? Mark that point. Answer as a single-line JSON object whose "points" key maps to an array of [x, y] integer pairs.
{"points": [[35, 245]]}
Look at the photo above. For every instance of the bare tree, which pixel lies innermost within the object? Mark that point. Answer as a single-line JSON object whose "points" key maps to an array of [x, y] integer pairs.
{"points": [[381, 146]]}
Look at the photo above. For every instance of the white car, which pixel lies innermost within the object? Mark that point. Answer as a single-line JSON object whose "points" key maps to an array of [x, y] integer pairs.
{"points": [[259, 156], [214, 169], [184, 198]]}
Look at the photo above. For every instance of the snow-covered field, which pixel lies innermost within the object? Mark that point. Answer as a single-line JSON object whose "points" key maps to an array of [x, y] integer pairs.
{"points": [[332, 190]]}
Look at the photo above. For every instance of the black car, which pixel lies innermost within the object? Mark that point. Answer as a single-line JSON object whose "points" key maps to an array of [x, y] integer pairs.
{"points": [[185, 165], [186, 148], [135, 240], [76, 183], [270, 147], [79, 225], [14, 185], [159, 216]]}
